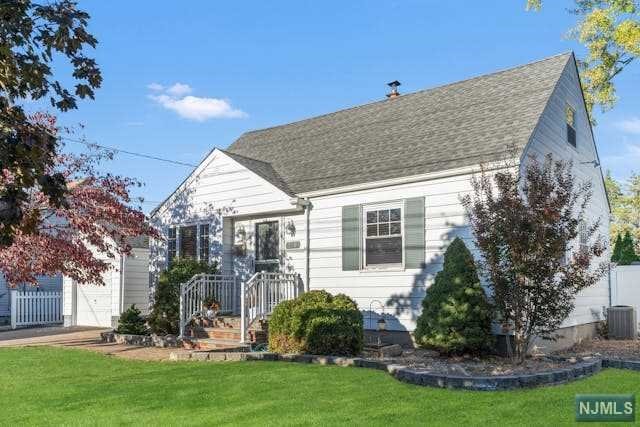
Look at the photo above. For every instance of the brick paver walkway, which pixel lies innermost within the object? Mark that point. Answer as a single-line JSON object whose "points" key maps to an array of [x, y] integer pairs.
{"points": [[83, 338]]}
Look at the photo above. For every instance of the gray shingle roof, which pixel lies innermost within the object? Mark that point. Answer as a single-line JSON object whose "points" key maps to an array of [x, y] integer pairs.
{"points": [[262, 169], [456, 125]]}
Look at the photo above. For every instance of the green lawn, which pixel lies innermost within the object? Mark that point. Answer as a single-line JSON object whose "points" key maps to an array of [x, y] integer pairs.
{"points": [[59, 386]]}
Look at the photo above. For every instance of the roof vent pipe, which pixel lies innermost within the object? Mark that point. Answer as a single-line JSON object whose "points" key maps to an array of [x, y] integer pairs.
{"points": [[394, 89]]}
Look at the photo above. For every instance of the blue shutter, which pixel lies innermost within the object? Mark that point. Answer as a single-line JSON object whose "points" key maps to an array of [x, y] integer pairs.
{"points": [[350, 238], [414, 236]]}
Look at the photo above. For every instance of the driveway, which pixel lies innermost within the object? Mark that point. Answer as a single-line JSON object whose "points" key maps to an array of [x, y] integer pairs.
{"points": [[83, 338]]}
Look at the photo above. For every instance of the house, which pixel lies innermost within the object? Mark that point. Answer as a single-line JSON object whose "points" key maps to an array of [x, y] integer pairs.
{"points": [[126, 282], [364, 201]]}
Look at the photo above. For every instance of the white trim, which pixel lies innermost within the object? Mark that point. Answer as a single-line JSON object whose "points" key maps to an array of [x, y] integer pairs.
{"points": [[409, 179], [216, 152]]}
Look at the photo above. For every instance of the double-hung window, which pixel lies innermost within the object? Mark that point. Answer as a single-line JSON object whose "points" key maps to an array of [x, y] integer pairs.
{"points": [[383, 235]]}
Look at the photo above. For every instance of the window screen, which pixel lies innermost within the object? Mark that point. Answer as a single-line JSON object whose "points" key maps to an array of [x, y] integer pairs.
{"points": [[383, 236]]}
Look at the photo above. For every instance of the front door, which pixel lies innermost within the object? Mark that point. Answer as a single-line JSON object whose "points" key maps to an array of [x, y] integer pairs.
{"points": [[267, 247]]}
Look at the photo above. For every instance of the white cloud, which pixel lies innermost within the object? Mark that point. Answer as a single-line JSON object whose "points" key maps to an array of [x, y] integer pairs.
{"points": [[176, 98], [156, 87], [630, 125], [179, 90]]}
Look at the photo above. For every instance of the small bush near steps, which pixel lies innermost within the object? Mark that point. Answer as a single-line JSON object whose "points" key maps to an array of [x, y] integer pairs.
{"points": [[317, 323], [456, 316], [131, 322], [165, 312]]}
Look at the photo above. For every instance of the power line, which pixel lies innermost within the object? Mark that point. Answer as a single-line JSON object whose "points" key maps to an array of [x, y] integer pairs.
{"points": [[131, 153]]}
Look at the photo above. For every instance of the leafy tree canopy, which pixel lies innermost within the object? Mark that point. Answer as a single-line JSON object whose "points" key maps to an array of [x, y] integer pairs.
{"points": [[32, 37], [610, 30]]}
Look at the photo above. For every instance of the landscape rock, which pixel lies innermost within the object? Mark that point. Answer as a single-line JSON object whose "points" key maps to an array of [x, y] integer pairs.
{"points": [[390, 351]]}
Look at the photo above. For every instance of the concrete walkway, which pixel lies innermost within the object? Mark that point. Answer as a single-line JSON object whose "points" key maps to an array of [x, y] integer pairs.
{"points": [[83, 338]]}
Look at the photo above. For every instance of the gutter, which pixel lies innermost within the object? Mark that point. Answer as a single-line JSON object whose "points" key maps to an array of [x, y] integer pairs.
{"points": [[306, 205]]}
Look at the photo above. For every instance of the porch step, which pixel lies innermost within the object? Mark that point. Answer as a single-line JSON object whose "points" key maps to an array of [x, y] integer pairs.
{"points": [[219, 333]]}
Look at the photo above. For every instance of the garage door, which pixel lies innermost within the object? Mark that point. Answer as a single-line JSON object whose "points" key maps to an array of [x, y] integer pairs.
{"points": [[94, 305]]}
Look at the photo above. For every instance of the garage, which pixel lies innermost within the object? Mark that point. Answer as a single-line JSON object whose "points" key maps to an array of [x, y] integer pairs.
{"points": [[125, 283]]}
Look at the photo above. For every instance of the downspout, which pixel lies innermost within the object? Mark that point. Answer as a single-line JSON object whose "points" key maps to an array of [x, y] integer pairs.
{"points": [[122, 259], [308, 247], [306, 205]]}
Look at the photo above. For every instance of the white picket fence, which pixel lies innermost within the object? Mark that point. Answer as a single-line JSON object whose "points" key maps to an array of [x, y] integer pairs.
{"points": [[35, 308]]}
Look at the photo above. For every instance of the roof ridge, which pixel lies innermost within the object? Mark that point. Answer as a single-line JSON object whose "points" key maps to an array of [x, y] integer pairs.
{"points": [[410, 94], [232, 153]]}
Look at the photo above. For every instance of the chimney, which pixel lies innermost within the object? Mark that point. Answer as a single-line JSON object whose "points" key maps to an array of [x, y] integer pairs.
{"points": [[394, 89]]}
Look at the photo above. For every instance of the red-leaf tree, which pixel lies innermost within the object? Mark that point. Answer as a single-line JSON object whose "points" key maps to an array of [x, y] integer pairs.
{"points": [[75, 237], [538, 247]]}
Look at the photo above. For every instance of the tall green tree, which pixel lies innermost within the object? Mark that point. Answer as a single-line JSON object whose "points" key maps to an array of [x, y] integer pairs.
{"points": [[617, 249], [625, 207], [610, 31], [628, 252], [32, 37]]}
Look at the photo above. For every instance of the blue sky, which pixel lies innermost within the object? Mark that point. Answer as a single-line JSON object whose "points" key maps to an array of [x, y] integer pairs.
{"points": [[183, 77]]}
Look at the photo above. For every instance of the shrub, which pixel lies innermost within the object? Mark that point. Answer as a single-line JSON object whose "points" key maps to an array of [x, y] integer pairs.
{"points": [[456, 317], [318, 323], [131, 322], [165, 312]]}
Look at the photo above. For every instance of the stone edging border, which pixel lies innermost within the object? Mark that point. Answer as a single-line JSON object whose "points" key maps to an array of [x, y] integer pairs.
{"points": [[633, 365], [141, 340], [422, 378]]}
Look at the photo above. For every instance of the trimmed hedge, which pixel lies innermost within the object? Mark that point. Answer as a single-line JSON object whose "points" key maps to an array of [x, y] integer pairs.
{"points": [[317, 323]]}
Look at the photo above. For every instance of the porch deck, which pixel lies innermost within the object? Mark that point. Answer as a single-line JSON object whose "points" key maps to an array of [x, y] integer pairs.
{"points": [[243, 308]]}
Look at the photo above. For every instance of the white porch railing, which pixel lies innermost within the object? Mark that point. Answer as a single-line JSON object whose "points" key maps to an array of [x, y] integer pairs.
{"points": [[201, 286], [35, 308], [262, 292]]}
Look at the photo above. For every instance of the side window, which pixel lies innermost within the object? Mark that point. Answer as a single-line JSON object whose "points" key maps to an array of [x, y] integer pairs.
{"points": [[204, 242], [383, 236], [570, 114], [171, 244], [188, 243], [583, 240]]}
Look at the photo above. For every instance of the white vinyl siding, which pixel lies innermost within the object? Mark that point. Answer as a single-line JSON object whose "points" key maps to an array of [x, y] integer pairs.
{"points": [[550, 136], [136, 280], [400, 289], [220, 187]]}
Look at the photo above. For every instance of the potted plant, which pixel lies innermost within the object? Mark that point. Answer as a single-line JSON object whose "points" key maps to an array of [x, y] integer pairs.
{"points": [[211, 306]]}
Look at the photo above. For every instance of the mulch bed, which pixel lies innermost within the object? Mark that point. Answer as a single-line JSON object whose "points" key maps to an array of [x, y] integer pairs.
{"points": [[430, 361], [608, 349]]}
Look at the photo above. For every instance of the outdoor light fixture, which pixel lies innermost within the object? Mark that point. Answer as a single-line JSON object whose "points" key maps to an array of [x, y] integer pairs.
{"points": [[382, 325]]}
